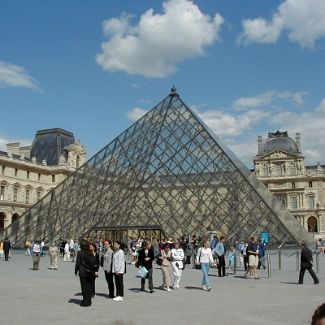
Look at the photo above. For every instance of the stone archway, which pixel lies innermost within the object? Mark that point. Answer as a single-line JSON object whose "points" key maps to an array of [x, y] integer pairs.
{"points": [[312, 224], [2, 221]]}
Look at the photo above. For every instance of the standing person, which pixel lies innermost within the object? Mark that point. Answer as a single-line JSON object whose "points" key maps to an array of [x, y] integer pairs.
{"points": [[94, 261], [107, 260], [66, 252], [145, 259], [72, 251], [54, 252], [188, 252], [6, 248], [261, 254], [1, 249], [83, 268], [245, 256], [36, 254], [165, 256], [42, 247], [177, 257], [232, 256], [306, 263], [28, 244], [118, 268], [253, 251], [220, 251], [204, 258]]}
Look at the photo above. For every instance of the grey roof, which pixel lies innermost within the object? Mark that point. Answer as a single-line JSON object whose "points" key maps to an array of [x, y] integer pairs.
{"points": [[49, 144], [279, 141]]}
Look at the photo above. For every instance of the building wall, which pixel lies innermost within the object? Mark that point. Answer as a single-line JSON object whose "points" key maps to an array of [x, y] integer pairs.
{"points": [[300, 188], [23, 181]]}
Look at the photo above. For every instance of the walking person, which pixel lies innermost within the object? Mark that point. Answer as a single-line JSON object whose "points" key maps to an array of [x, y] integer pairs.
{"points": [[261, 254], [1, 249], [6, 248], [220, 251], [306, 263], [107, 260], [54, 252], [28, 244], [177, 258], [36, 254], [204, 258], [145, 259], [66, 257], [165, 257], [94, 260], [118, 268], [83, 268]]}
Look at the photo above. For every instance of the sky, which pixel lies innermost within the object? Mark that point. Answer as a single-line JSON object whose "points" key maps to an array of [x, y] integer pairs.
{"points": [[93, 67]]}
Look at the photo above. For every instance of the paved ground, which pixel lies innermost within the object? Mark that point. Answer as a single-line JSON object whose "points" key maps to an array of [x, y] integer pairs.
{"points": [[52, 297]]}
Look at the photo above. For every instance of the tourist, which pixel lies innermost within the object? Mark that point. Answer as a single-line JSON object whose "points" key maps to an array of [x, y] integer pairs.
{"points": [[252, 251], [188, 252], [66, 257], [177, 257], [231, 260], [306, 263], [145, 259], [118, 268], [72, 251], [204, 258], [42, 253], [261, 254], [83, 268], [36, 254], [94, 261], [6, 248], [165, 257], [220, 251], [107, 260], [319, 315], [54, 252], [133, 250], [28, 245], [1, 249]]}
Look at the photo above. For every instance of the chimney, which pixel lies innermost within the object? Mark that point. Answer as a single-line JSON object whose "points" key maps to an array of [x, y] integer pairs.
{"points": [[259, 144], [298, 141]]}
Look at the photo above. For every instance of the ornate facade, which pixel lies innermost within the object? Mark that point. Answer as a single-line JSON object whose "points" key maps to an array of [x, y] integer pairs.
{"points": [[280, 165], [28, 173]]}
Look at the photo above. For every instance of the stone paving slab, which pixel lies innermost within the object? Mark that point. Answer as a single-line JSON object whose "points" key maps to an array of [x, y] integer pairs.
{"points": [[52, 297]]}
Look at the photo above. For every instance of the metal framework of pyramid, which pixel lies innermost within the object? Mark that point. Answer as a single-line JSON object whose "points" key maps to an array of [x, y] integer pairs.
{"points": [[168, 170]]}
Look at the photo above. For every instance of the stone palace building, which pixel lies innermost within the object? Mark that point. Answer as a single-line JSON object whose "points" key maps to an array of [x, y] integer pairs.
{"points": [[280, 165], [28, 173]]}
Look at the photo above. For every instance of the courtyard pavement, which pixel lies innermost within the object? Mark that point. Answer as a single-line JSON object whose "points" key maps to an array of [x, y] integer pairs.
{"points": [[52, 297]]}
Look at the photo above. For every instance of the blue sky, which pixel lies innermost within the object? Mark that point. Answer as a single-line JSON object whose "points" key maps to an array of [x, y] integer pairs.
{"points": [[247, 67]]}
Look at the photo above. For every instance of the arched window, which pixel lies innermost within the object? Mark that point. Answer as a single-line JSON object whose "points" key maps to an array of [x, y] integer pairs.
{"points": [[312, 224], [14, 217], [2, 220]]}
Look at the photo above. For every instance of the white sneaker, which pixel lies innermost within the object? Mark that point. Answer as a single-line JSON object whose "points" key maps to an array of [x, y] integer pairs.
{"points": [[118, 298]]}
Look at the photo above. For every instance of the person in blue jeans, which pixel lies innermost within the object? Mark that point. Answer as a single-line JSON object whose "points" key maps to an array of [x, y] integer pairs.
{"points": [[204, 258]]}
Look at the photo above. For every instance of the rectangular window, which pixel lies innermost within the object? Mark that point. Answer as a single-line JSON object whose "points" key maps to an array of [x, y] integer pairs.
{"points": [[311, 202], [53, 178], [16, 172], [2, 193], [293, 185], [39, 195], [294, 202], [310, 184], [3, 168], [15, 194], [27, 195], [28, 174], [39, 177]]}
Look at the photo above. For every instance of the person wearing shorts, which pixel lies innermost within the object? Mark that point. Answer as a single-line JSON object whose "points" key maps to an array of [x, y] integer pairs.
{"points": [[252, 251]]}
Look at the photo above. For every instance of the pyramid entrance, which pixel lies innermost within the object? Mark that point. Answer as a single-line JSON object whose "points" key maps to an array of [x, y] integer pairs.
{"points": [[168, 169]]}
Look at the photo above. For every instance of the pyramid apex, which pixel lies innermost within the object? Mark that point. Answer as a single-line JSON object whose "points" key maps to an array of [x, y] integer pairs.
{"points": [[173, 91]]}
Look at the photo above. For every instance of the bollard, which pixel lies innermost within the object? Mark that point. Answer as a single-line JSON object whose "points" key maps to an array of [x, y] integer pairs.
{"points": [[297, 261], [317, 262], [279, 252], [268, 260]]}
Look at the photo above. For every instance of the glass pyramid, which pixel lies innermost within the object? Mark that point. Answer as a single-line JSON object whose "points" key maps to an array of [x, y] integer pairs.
{"points": [[169, 171]]}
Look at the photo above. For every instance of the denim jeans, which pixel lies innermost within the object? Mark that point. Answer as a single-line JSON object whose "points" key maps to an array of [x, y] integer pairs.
{"points": [[205, 271]]}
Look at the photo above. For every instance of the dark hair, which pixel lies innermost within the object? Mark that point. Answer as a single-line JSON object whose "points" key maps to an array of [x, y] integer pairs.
{"points": [[84, 245], [319, 314]]}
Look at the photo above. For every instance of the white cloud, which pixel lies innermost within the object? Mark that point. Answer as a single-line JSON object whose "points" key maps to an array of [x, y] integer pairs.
{"points": [[136, 113], [15, 76], [303, 20], [253, 102], [158, 42]]}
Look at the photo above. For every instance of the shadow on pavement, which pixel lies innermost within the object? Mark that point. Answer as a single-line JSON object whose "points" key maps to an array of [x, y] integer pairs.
{"points": [[193, 288], [295, 283], [75, 301]]}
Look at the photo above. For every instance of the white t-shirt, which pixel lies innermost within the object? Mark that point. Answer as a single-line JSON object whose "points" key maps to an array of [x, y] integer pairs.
{"points": [[204, 255]]}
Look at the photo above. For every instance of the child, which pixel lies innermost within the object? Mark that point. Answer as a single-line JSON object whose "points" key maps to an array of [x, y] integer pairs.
{"points": [[232, 260]]}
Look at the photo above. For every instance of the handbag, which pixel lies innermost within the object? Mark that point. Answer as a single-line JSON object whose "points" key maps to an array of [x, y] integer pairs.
{"points": [[143, 272]]}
